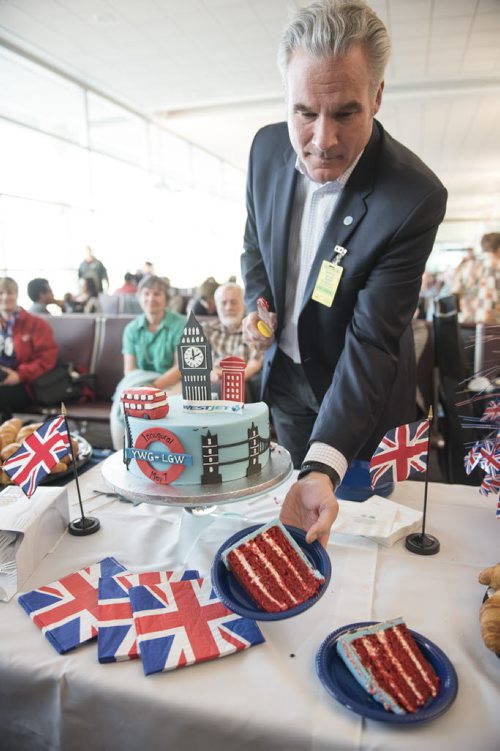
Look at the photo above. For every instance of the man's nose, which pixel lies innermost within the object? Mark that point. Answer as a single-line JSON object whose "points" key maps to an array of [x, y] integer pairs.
{"points": [[325, 136]]}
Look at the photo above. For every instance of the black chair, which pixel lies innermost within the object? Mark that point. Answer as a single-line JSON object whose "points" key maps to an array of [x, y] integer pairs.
{"points": [[452, 388]]}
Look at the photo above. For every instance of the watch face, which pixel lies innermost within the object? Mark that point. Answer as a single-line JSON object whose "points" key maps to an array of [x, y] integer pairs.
{"points": [[193, 357]]}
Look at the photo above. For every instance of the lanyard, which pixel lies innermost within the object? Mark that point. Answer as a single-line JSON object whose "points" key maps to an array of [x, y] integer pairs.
{"points": [[6, 336]]}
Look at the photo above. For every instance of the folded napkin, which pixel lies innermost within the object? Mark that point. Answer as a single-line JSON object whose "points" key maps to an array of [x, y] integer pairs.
{"points": [[66, 610], [181, 623], [382, 520], [116, 637], [9, 543]]}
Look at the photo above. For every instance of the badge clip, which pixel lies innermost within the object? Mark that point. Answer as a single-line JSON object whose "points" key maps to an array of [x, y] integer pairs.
{"points": [[339, 252]]}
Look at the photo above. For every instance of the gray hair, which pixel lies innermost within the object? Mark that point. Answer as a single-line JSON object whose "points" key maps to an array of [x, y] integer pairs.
{"points": [[154, 282], [331, 27], [228, 285], [7, 284]]}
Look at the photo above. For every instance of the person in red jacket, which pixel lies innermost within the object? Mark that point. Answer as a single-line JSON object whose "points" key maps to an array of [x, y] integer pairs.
{"points": [[27, 350]]}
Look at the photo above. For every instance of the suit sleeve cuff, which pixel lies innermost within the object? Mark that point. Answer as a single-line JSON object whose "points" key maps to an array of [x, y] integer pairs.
{"points": [[322, 452]]}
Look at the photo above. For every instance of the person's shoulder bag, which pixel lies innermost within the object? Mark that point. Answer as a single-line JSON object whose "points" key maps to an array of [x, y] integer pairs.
{"points": [[56, 386]]}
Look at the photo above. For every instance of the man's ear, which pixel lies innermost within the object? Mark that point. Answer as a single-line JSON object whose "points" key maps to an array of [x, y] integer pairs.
{"points": [[378, 98]]}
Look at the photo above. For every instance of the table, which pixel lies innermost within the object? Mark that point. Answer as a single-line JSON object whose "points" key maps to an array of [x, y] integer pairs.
{"points": [[267, 697]]}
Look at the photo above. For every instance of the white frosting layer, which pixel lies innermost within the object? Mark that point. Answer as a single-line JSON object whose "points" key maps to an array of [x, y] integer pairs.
{"points": [[347, 651], [242, 547]]}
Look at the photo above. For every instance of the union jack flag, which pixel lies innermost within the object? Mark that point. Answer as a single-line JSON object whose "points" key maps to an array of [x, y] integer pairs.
{"points": [[116, 638], [401, 453], [490, 457], [66, 610], [181, 623], [490, 484], [472, 458], [491, 412], [38, 454]]}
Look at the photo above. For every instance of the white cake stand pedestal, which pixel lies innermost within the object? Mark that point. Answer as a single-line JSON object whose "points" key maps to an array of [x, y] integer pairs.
{"points": [[199, 502], [198, 499]]}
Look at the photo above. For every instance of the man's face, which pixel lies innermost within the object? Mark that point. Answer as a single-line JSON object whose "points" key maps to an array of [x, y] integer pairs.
{"points": [[47, 296], [230, 308], [330, 109]]}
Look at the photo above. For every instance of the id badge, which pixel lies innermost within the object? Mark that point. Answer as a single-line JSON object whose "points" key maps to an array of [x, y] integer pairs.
{"points": [[327, 283]]}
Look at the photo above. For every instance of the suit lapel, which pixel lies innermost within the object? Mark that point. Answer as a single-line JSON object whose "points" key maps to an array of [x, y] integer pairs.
{"points": [[281, 213]]}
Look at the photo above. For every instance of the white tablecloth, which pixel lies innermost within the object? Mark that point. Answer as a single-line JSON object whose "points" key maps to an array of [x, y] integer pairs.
{"points": [[268, 697]]}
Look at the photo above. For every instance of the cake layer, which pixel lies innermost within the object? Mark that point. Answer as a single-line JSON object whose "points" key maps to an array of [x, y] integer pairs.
{"points": [[196, 447], [385, 659], [272, 568]]}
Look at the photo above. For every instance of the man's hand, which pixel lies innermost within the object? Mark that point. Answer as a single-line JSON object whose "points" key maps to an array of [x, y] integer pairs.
{"points": [[252, 335], [310, 504]]}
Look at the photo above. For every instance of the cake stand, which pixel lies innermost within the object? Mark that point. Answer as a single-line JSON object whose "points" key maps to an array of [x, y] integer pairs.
{"points": [[199, 499]]}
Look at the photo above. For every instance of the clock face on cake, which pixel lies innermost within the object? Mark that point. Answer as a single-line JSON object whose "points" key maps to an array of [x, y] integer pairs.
{"points": [[193, 357]]}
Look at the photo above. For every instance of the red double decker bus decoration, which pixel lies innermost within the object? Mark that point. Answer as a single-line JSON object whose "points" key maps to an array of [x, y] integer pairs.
{"points": [[145, 401]]}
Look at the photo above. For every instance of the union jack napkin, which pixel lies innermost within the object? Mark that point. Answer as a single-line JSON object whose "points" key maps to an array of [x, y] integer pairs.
{"points": [[66, 610], [116, 637], [181, 623]]}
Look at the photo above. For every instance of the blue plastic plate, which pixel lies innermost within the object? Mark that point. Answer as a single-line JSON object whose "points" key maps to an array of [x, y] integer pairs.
{"points": [[342, 685], [239, 601]]}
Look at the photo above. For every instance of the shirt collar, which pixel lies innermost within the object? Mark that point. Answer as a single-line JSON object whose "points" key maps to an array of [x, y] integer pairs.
{"points": [[332, 185], [143, 322]]}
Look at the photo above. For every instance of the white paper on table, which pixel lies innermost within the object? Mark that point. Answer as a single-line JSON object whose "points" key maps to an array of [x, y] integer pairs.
{"points": [[379, 519], [37, 523]]}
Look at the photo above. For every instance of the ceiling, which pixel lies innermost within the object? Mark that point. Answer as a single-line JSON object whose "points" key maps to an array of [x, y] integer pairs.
{"points": [[207, 68]]}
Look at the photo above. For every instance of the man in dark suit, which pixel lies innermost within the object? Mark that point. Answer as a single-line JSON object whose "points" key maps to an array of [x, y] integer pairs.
{"points": [[341, 220]]}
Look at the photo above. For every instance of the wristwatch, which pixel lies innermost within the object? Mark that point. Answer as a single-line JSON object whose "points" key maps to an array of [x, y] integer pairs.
{"points": [[325, 469]]}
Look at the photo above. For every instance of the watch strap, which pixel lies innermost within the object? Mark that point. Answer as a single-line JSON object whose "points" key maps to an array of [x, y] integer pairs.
{"points": [[325, 469]]}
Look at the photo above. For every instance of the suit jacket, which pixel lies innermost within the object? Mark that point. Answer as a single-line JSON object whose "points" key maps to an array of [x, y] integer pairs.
{"points": [[358, 355]]}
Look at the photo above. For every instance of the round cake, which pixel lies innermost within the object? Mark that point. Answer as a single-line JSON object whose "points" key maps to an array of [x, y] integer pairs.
{"points": [[193, 447]]}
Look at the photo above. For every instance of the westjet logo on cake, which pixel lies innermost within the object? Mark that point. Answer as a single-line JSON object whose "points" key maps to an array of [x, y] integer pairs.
{"points": [[158, 456]]}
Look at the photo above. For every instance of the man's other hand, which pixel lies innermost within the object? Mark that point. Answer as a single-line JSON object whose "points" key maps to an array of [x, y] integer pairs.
{"points": [[252, 335]]}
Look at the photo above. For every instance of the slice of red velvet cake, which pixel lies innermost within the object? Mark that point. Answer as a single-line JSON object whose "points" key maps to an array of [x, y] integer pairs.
{"points": [[272, 568], [386, 661]]}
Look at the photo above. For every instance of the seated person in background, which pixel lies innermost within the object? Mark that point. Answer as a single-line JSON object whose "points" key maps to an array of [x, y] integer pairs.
{"points": [[27, 350], [429, 291], [175, 300], [69, 303], [87, 301], [40, 292], [226, 337], [149, 349], [477, 283], [203, 304], [129, 287]]}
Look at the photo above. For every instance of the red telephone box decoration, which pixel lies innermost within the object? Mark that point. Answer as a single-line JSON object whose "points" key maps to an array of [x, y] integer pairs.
{"points": [[233, 379]]}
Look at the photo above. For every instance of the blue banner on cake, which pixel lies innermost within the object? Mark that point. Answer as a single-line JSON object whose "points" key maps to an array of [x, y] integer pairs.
{"points": [[166, 457]]}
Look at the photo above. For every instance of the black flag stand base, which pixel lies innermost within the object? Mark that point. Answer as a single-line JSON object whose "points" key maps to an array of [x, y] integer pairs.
{"points": [[422, 544], [87, 525]]}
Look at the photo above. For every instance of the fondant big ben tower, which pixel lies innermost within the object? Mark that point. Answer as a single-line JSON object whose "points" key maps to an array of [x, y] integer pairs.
{"points": [[195, 362]]}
